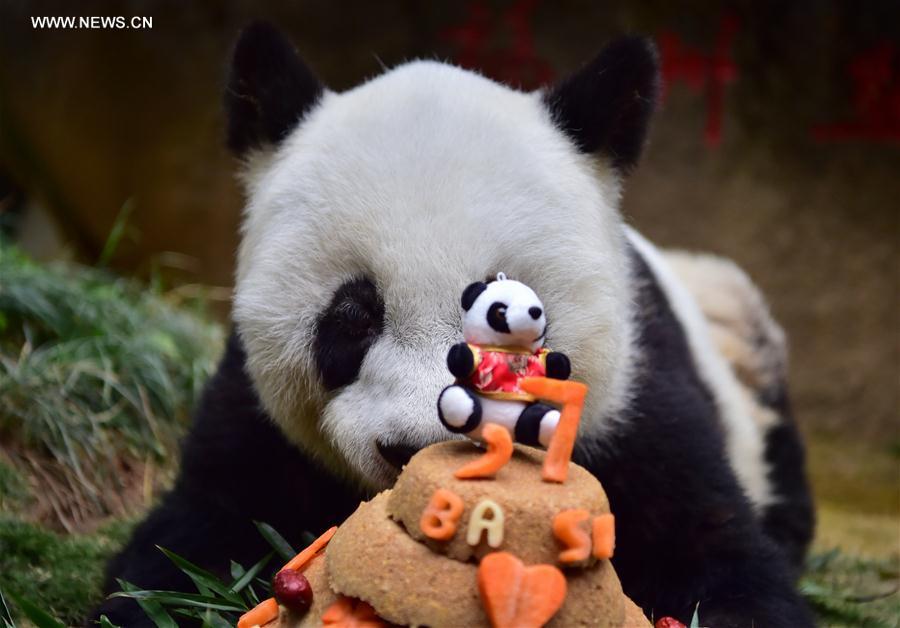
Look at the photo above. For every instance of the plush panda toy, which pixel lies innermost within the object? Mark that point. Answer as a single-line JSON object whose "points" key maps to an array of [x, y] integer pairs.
{"points": [[367, 213], [504, 327]]}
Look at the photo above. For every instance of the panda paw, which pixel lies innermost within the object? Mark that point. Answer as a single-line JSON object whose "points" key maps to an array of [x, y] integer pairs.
{"points": [[558, 365], [461, 360], [458, 409]]}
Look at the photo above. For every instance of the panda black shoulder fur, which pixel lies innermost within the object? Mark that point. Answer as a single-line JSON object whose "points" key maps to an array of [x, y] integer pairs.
{"points": [[367, 213]]}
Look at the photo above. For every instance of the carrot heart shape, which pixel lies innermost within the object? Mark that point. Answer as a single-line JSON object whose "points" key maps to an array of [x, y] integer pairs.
{"points": [[516, 596]]}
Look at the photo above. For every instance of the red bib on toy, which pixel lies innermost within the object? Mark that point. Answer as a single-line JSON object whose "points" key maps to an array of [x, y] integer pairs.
{"points": [[498, 371]]}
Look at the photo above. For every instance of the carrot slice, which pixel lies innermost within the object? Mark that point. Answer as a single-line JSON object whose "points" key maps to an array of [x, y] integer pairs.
{"points": [[604, 533], [440, 516], [262, 613], [299, 561], [499, 580], [516, 596], [348, 612], [567, 528], [338, 611], [571, 396], [499, 451]]}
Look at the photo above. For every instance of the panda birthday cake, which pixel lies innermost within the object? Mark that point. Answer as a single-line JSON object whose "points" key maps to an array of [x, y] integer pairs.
{"points": [[502, 534]]}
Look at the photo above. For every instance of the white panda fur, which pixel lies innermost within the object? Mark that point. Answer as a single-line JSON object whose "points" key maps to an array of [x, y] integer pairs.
{"points": [[740, 322], [473, 163], [745, 437]]}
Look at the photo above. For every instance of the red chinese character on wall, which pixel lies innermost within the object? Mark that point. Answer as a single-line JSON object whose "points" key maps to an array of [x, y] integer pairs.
{"points": [[501, 47], [703, 73], [876, 99]]}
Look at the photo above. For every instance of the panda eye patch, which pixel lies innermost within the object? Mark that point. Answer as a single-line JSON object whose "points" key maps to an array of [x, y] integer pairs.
{"points": [[356, 320], [496, 317], [346, 329]]}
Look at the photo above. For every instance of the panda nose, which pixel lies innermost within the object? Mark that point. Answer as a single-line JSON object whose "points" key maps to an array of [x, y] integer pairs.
{"points": [[535, 312]]}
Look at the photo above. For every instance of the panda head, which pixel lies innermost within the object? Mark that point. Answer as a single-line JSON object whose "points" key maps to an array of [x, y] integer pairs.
{"points": [[369, 211], [503, 313]]}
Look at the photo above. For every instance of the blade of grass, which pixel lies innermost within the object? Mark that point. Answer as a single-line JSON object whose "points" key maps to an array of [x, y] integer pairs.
{"points": [[35, 615], [7, 615], [116, 233]]}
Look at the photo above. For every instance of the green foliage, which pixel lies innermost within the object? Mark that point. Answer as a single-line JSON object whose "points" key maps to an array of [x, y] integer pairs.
{"points": [[96, 374], [38, 616], [216, 604], [13, 489], [850, 591], [94, 371], [695, 618], [56, 573], [278, 542]]}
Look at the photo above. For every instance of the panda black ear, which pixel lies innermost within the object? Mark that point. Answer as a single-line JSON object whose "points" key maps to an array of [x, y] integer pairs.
{"points": [[605, 107], [269, 89], [471, 293]]}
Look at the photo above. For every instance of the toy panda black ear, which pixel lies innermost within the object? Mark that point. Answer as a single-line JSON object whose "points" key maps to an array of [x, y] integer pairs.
{"points": [[606, 106], [471, 293], [269, 89]]}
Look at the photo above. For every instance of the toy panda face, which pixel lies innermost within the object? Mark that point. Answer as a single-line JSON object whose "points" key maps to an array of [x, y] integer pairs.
{"points": [[503, 313], [365, 221]]}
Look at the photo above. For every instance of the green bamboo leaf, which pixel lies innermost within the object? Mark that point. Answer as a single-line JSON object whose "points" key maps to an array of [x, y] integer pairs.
{"points": [[176, 598], [207, 583], [250, 592], [207, 618], [214, 620], [248, 576], [106, 623], [157, 614], [307, 538], [152, 609], [278, 542], [695, 620]]}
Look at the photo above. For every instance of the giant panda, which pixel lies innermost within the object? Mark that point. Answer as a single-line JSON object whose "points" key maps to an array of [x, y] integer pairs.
{"points": [[367, 213]]}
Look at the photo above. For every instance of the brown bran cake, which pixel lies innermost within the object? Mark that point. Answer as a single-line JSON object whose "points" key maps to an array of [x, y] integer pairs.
{"points": [[382, 569]]}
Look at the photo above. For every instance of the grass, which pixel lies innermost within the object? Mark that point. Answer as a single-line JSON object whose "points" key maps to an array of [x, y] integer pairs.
{"points": [[59, 573], [847, 590], [97, 377]]}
